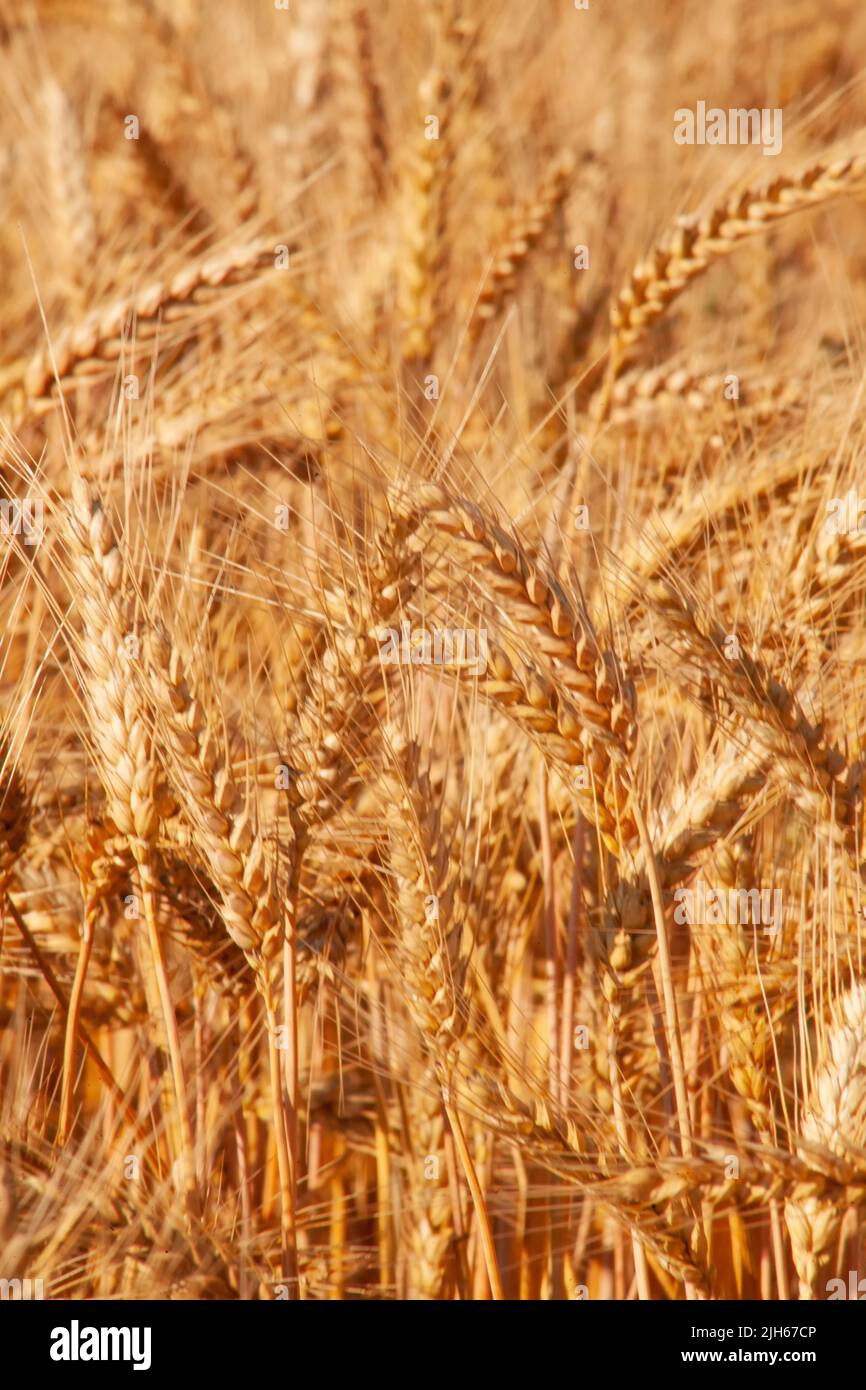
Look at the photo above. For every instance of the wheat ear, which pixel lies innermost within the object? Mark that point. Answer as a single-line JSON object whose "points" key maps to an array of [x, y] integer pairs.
{"points": [[698, 242], [100, 338], [237, 861], [815, 773], [645, 395], [427, 951], [570, 692], [833, 1123], [524, 232], [424, 267], [75, 224], [122, 740], [362, 117]]}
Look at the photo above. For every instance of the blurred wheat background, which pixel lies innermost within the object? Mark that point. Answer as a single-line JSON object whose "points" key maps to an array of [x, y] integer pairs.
{"points": [[329, 976]]}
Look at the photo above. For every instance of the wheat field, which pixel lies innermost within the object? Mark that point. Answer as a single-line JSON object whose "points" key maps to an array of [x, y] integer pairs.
{"points": [[432, 687]]}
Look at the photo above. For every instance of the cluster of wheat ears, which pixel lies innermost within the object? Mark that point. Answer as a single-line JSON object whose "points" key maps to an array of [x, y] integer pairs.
{"points": [[326, 976]]}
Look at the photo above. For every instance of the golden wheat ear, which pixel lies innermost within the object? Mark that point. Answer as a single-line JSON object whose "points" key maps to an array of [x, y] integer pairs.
{"points": [[106, 649], [833, 1126], [698, 242]]}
